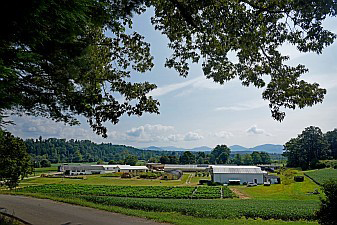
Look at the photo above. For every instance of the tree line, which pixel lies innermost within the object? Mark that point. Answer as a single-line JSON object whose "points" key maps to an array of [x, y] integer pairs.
{"points": [[75, 151], [62, 150], [309, 147]]}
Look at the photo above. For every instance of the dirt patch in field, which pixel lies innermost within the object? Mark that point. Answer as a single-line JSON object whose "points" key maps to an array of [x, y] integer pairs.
{"points": [[239, 193]]}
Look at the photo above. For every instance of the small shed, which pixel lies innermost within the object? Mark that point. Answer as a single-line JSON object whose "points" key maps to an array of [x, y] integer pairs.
{"points": [[272, 179], [239, 174], [155, 166]]}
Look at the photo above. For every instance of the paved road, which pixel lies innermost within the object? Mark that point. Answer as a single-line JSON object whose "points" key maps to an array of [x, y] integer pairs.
{"points": [[47, 212]]}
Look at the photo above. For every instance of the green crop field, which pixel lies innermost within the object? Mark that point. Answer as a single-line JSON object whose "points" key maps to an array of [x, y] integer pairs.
{"points": [[287, 210], [103, 180], [323, 175], [132, 191], [183, 202], [265, 209]]}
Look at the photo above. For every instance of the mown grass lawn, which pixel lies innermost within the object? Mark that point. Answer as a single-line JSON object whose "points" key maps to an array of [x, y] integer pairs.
{"points": [[195, 179], [39, 171], [285, 191]]}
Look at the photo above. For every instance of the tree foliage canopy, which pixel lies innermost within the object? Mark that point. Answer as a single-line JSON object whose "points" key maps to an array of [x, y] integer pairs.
{"points": [[307, 149], [15, 162], [331, 138], [221, 154], [57, 62], [209, 31], [326, 215]]}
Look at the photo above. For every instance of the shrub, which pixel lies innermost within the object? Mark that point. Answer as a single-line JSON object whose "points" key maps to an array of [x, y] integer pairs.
{"points": [[126, 175], [203, 182], [299, 178], [326, 215], [45, 163], [319, 166], [149, 175]]}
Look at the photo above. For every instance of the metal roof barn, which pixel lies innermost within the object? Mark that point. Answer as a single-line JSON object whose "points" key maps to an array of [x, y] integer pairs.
{"points": [[242, 174], [236, 169], [185, 168]]}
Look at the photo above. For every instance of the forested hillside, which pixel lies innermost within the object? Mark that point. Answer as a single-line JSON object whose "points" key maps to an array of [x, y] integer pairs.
{"points": [[60, 150]]}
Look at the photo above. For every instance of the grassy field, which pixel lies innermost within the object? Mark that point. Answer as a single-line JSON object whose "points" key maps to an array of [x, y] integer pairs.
{"points": [[287, 190], [45, 170], [323, 175]]}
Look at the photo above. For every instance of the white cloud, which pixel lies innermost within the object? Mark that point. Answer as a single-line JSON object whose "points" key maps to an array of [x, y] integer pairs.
{"points": [[192, 136], [223, 134], [199, 82], [328, 81], [172, 87], [159, 133], [149, 133], [175, 137], [148, 129], [32, 127], [244, 106], [256, 131]]}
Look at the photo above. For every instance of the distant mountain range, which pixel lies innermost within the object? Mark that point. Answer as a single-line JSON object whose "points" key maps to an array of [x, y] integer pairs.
{"points": [[173, 148], [270, 148]]}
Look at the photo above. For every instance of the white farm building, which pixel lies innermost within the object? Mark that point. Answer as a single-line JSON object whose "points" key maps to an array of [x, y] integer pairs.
{"points": [[237, 174], [186, 168], [131, 169], [100, 169], [82, 170], [108, 168]]}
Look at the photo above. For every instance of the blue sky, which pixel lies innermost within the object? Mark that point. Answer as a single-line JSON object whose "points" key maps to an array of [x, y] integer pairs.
{"points": [[195, 111]]}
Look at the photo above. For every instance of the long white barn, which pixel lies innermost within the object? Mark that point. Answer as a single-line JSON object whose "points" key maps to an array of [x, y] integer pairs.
{"points": [[237, 174], [100, 169], [186, 168]]}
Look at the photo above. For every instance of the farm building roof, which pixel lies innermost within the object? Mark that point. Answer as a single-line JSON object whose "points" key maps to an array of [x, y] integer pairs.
{"points": [[184, 166], [107, 166], [128, 167], [80, 167], [236, 169]]}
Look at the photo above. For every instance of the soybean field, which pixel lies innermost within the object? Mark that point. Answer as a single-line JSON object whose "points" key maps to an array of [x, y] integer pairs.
{"points": [[323, 175], [132, 191], [220, 209]]}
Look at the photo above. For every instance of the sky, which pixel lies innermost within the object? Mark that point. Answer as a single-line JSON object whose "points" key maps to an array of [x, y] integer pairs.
{"points": [[195, 111]]}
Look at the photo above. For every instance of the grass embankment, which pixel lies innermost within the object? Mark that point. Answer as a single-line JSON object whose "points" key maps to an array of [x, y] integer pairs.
{"points": [[6, 220], [321, 176]]}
